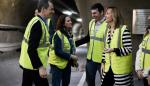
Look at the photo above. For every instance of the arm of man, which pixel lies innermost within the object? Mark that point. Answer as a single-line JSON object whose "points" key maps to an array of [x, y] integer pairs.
{"points": [[84, 40], [34, 40]]}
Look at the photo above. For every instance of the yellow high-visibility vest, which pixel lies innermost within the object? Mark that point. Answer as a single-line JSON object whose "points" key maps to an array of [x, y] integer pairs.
{"points": [[43, 48], [48, 21], [145, 54], [59, 62], [118, 64], [96, 45]]}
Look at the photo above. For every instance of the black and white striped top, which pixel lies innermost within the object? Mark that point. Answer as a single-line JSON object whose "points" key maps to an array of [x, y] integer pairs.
{"points": [[124, 79], [126, 41]]}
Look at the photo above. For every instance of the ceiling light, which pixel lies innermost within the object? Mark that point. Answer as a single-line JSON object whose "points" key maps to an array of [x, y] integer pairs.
{"points": [[67, 12], [79, 19]]}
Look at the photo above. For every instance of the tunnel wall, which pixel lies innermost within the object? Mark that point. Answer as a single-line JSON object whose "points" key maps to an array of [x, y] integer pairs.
{"points": [[17, 13]]}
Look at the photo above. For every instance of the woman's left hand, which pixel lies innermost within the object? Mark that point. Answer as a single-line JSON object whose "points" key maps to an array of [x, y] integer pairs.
{"points": [[108, 50]]}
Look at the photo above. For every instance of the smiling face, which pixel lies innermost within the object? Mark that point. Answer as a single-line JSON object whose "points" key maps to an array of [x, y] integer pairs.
{"points": [[96, 14], [68, 23], [109, 16]]}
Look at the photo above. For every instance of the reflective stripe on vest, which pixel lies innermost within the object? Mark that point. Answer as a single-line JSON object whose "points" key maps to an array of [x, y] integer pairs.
{"points": [[48, 22], [145, 51], [42, 49], [96, 45], [45, 44], [118, 64], [59, 62], [96, 38]]}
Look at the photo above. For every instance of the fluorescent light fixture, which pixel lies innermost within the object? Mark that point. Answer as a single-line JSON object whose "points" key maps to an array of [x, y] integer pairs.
{"points": [[79, 19], [73, 12], [67, 12]]}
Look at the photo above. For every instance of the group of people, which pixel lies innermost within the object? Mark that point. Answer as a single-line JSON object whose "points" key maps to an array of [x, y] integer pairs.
{"points": [[109, 51]]}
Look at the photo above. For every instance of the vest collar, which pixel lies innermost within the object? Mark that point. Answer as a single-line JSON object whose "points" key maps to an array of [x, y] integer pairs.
{"points": [[44, 19], [101, 21]]}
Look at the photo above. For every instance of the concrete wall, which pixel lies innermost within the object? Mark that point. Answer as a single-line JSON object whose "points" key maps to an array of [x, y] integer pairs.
{"points": [[126, 7], [15, 12]]}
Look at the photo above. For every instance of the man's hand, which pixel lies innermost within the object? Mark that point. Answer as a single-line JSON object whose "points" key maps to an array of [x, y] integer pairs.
{"points": [[74, 57], [75, 64], [42, 72], [74, 61]]}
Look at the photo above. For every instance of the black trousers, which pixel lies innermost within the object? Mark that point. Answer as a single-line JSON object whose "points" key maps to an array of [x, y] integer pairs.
{"points": [[111, 79], [61, 77], [32, 76], [91, 69], [108, 79], [145, 82]]}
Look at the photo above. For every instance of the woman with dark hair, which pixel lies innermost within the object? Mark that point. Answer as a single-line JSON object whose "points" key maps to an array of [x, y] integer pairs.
{"points": [[62, 52], [117, 57], [142, 64]]}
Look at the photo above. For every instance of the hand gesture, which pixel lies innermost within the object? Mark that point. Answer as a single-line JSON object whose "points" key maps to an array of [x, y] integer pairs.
{"points": [[139, 74], [42, 72], [74, 57], [108, 50]]}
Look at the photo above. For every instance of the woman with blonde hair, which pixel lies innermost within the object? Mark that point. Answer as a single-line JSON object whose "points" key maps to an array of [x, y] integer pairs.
{"points": [[117, 57]]}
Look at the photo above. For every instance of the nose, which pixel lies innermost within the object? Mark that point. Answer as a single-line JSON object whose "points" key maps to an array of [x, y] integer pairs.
{"points": [[93, 15]]}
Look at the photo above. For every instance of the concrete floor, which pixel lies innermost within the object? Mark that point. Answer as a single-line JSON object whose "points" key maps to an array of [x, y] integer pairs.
{"points": [[11, 74]]}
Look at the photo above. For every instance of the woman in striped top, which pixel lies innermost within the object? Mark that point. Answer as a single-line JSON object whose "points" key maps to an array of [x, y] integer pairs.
{"points": [[117, 57]]}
